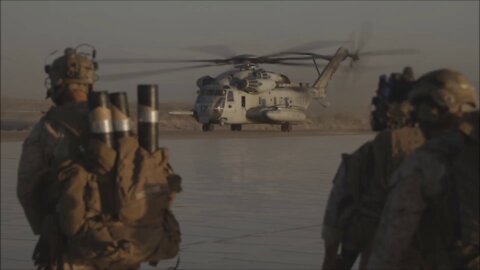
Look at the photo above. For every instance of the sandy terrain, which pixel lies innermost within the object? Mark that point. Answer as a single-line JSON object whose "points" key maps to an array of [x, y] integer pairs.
{"points": [[19, 115], [247, 203]]}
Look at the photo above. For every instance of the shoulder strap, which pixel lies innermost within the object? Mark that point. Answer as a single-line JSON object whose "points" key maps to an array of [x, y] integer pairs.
{"points": [[73, 117]]}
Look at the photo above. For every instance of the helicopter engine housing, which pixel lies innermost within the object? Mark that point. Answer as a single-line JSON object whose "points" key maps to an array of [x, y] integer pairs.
{"points": [[205, 80], [258, 85]]}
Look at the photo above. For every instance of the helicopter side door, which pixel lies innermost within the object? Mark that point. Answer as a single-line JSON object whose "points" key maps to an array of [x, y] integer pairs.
{"points": [[235, 107]]}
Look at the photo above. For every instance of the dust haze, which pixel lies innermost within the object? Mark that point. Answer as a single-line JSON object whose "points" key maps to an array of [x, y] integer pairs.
{"points": [[445, 33], [19, 115]]}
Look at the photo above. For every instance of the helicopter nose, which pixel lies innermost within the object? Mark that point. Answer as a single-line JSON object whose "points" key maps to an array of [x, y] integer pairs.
{"points": [[207, 113]]}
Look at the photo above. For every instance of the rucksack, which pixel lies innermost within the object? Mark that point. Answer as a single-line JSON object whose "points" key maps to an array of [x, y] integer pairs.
{"points": [[121, 218]]}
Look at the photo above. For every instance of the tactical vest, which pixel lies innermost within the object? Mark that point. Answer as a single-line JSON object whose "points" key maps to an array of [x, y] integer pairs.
{"points": [[110, 221], [137, 225]]}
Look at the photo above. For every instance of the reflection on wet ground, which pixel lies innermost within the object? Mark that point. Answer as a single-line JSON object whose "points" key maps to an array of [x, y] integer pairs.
{"points": [[253, 203]]}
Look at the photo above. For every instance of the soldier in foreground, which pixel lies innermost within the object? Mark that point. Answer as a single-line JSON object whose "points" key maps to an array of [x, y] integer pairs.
{"points": [[433, 206], [95, 203], [359, 190], [59, 134]]}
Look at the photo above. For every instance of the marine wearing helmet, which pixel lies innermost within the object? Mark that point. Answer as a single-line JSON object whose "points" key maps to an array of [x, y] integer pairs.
{"points": [[433, 205], [74, 71], [58, 135]]}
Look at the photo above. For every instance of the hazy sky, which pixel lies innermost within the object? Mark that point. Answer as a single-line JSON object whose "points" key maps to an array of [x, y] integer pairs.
{"points": [[446, 33]]}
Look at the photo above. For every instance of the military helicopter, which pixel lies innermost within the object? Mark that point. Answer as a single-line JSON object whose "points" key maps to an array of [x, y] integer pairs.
{"points": [[249, 94]]}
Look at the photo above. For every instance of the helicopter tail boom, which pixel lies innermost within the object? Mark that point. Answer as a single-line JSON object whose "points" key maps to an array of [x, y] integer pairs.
{"points": [[326, 75]]}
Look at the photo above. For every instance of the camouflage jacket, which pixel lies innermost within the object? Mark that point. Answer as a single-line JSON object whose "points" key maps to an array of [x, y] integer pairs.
{"points": [[53, 139], [418, 188], [360, 186]]}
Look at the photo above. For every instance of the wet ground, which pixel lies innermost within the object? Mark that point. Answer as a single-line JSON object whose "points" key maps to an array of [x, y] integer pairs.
{"points": [[248, 203]]}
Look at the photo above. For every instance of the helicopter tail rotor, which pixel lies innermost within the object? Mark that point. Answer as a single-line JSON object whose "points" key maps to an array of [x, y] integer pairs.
{"points": [[359, 40]]}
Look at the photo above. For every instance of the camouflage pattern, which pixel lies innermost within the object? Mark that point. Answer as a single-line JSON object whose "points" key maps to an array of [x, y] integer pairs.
{"points": [[433, 206], [447, 88], [72, 70], [360, 187], [398, 115], [51, 141]]}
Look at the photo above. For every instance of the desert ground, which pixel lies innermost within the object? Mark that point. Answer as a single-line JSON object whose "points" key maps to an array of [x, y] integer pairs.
{"points": [[19, 115]]}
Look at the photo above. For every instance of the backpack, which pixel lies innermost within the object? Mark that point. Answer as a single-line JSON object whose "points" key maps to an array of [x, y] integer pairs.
{"points": [[112, 207]]}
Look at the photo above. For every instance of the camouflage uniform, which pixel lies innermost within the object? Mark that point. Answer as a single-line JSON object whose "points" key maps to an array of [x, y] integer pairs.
{"points": [[50, 142], [419, 207], [64, 181], [59, 135], [432, 206], [358, 195]]}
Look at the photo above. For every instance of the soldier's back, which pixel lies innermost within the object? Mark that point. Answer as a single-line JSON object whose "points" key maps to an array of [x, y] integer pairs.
{"points": [[56, 137]]}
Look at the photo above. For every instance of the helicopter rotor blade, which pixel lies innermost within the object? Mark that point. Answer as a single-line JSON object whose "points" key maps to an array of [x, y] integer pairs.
{"points": [[292, 64], [217, 50], [390, 52], [155, 61], [309, 46], [358, 41], [305, 56], [365, 35], [146, 73]]}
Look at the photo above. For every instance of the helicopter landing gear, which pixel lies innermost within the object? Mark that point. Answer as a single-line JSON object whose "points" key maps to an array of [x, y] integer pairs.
{"points": [[286, 127], [207, 127], [236, 127]]}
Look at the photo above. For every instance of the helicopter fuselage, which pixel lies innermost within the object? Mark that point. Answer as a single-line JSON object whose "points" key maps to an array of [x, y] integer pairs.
{"points": [[249, 96]]}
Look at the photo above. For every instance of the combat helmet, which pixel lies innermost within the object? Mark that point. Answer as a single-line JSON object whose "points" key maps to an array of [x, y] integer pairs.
{"points": [[447, 89], [73, 69]]}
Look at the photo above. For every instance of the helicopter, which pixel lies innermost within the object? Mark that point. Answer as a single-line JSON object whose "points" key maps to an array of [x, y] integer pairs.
{"points": [[249, 94]]}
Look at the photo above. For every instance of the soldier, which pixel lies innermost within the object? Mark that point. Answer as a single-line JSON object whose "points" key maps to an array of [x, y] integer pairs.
{"points": [[378, 116], [390, 106], [433, 206], [58, 134], [61, 176], [398, 113], [358, 195], [359, 192]]}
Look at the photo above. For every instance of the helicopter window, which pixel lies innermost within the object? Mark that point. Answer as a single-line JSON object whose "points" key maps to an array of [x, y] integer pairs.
{"points": [[259, 100], [230, 96]]}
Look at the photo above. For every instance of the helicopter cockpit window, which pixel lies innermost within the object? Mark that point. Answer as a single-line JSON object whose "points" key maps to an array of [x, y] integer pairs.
{"points": [[230, 96]]}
